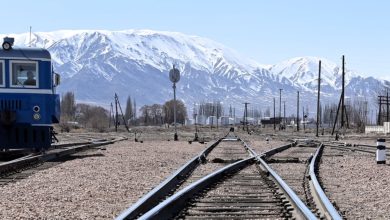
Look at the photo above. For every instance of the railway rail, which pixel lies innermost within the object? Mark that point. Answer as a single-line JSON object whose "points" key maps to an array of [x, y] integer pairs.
{"points": [[227, 180], [24, 166]]}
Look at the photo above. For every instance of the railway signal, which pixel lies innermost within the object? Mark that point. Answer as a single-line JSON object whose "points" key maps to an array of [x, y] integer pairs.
{"points": [[174, 76]]}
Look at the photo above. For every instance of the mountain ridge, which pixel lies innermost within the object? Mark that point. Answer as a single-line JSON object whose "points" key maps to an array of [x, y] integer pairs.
{"points": [[136, 62]]}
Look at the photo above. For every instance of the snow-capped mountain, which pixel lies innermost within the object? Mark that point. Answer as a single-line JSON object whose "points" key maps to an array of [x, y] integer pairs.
{"points": [[96, 64]]}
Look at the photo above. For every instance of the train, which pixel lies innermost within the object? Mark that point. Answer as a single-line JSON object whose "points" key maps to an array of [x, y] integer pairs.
{"points": [[29, 105]]}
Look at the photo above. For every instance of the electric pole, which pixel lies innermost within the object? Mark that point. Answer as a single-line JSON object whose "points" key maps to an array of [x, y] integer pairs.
{"points": [[274, 116], [280, 107], [298, 111], [284, 114], [318, 97], [246, 116], [342, 96], [116, 114]]}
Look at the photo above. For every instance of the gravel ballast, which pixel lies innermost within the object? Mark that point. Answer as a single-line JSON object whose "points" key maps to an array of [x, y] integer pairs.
{"points": [[97, 184], [359, 186]]}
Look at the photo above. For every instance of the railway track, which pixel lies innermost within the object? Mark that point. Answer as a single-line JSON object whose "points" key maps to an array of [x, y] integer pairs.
{"points": [[226, 181], [293, 166], [22, 167]]}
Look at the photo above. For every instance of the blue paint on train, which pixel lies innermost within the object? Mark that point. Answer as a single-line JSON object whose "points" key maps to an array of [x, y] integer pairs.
{"points": [[29, 104]]}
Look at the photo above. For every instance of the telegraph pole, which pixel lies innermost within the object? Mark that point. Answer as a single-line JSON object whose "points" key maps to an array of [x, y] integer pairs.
{"points": [[298, 111], [284, 114], [116, 114], [303, 118], [342, 96], [274, 116], [318, 98], [387, 104], [341, 103], [246, 116], [280, 107]]}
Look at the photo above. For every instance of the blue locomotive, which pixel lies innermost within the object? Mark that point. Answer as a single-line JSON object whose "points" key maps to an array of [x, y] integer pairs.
{"points": [[29, 104]]}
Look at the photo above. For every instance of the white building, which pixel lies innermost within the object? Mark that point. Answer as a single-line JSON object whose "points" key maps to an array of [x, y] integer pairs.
{"points": [[212, 120], [189, 121], [201, 119]]}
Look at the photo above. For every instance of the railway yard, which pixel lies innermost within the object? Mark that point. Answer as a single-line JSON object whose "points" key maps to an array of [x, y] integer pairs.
{"points": [[226, 175]]}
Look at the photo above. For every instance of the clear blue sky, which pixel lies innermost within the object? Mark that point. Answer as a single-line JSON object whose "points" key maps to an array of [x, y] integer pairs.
{"points": [[266, 31]]}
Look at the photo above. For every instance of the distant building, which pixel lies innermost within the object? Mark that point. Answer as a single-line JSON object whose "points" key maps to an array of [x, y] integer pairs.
{"points": [[271, 121], [385, 129], [201, 119], [189, 121], [212, 120], [226, 120]]}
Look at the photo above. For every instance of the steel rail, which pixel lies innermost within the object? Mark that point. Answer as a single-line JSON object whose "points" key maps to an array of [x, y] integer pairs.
{"points": [[177, 201], [57, 153], [303, 210], [326, 206], [269, 152], [162, 190]]}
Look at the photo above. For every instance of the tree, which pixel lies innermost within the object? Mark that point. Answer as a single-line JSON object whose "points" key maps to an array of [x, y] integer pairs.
{"points": [[129, 110], [181, 111], [151, 114], [134, 112], [94, 117], [68, 106]]}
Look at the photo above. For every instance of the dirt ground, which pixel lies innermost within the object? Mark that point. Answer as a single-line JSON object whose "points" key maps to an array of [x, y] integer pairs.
{"points": [[99, 184]]}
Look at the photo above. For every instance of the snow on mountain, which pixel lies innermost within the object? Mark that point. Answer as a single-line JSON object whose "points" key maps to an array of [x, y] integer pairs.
{"points": [[97, 63], [304, 71]]}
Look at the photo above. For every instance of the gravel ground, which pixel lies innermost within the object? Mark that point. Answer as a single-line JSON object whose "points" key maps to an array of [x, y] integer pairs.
{"points": [[260, 144], [225, 153], [359, 186], [98, 184], [293, 173]]}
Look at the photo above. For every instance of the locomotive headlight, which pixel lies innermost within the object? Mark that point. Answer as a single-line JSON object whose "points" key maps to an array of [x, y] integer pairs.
{"points": [[37, 116], [36, 108], [6, 46], [8, 42]]}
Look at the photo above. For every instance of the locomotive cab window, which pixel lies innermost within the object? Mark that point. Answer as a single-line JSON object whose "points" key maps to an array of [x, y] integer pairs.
{"points": [[24, 74], [2, 74]]}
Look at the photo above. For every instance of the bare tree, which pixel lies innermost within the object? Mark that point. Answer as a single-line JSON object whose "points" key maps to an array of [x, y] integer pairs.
{"points": [[134, 112], [181, 111], [68, 106], [151, 114], [94, 117]]}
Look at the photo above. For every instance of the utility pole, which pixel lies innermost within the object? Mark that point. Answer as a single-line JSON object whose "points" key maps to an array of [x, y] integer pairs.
{"points": [[303, 118], [246, 116], [284, 114], [212, 118], [196, 138], [387, 104], [274, 116], [117, 103], [116, 114], [318, 97], [280, 107], [342, 96], [341, 103], [217, 116], [298, 111]]}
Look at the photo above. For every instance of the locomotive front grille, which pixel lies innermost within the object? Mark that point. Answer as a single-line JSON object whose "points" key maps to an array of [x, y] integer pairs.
{"points": [[10, 105]]}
